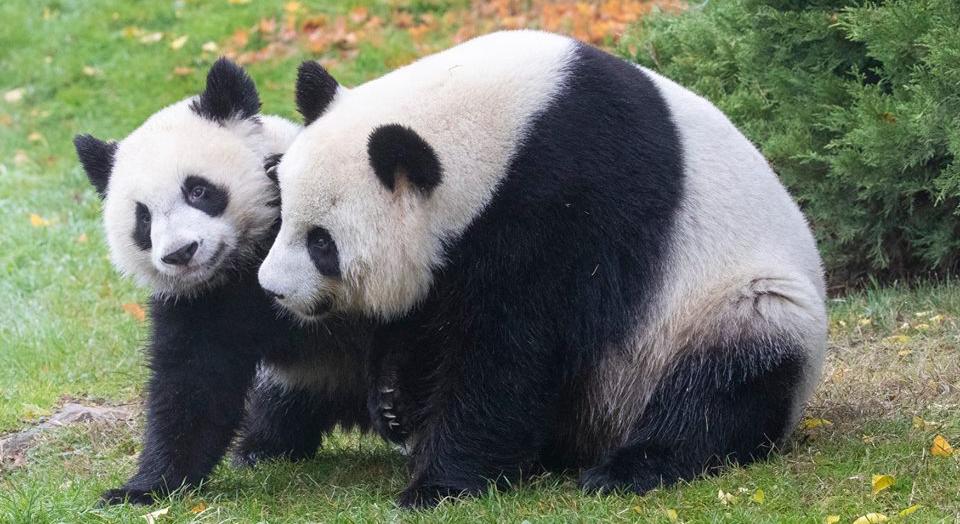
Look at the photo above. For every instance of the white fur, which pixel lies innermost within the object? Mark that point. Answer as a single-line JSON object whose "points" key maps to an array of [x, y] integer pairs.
{"points": [[150, 166], [743, 263], [472, 103]]}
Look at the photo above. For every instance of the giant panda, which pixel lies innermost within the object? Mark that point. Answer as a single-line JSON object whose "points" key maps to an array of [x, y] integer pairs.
{"points": [[189, 210], [576, 264]]}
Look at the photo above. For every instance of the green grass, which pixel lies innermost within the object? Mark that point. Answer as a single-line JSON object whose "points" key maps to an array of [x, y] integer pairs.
{"points": [[64, 334]]}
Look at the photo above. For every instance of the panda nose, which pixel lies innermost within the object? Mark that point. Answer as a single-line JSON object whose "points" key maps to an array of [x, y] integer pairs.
{"points": [[181, 256], [272, 295]]}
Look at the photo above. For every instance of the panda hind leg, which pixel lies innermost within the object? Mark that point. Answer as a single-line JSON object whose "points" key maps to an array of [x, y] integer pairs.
{"points": [[728, 404]]}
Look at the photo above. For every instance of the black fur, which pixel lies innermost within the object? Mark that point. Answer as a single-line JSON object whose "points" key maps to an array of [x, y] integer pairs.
{"points": [[553, 275], [202, 194], [270, 166], [315, 90], [739, 403], [141, 228], [398, 151], [230, 94], [323, 252], [96, 157], [203, 353]]}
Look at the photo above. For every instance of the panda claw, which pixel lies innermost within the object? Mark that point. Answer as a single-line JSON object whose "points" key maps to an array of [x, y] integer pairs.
{"points": [[386, 406], [389, 415], [393, 424], [386, 390]]}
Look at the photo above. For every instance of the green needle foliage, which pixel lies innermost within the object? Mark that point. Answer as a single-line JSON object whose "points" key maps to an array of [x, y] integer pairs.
{"points": [[856, 105]]}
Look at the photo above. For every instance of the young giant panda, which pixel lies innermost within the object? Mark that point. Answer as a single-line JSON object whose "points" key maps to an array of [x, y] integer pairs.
{"points": [[189, 209], [580, 264]]}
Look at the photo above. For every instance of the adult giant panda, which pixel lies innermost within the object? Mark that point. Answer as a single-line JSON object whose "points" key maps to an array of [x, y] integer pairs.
{"points": [[580, 264], [189, 210]]}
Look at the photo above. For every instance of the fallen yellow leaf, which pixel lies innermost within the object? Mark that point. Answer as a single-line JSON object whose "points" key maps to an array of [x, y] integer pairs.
{"points": [[151, 38], [38, 221], [865, 322], [210, 47], [200, 507], [90, 70], [908, 511], [871, 518], [131, 31], [726, 498], [922, 327], [831, 519], [35, 136], [177, 43], [154, 515], [941, 447], [292, 7], [936, 319], [135, 310], [13, 96], [919, 423], [881, 482], [759, 496], [238, 2], [904, 352], [813, 423], [182, 71], [898, 339], [672, 515]]}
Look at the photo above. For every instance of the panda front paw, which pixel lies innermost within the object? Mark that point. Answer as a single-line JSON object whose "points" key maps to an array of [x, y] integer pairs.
{"points": [[386, 414], [126, 495], [421, 496]]}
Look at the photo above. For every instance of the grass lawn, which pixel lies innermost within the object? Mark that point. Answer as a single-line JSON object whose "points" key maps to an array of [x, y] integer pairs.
{"points": [[892, 383]]}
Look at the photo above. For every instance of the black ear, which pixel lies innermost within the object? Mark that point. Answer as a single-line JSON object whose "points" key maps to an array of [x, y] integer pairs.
{"points": [[315, 90], [96, 156], [230, 93], [398, 151]]}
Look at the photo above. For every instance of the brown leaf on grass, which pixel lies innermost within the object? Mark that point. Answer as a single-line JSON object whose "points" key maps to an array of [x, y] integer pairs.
{"points": [[359, 14], [35, 136], [182, 71], [135, 310]]}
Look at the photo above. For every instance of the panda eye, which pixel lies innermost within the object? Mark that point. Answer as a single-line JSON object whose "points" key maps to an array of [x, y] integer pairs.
{"points": [[323, 251], [198, 192], [321, 243]]}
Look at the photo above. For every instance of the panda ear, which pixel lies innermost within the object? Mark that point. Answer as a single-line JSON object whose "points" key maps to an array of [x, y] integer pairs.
{"points": [[230, 94], [315, 90], [96, 156], [399, 152]]}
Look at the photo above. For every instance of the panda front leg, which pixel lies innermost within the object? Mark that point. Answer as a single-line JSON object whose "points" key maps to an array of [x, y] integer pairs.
{"points": [[730, 403], [195, 400], [489, 420], [285, 422]]}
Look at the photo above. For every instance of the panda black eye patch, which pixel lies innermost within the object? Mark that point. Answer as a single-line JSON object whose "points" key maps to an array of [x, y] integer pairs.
{"points": [[141, 228], [200, 193], [323, 252]]}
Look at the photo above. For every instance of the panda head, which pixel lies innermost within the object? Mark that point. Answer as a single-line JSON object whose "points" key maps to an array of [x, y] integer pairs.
{"points": [[186, 195], [357, 229]]}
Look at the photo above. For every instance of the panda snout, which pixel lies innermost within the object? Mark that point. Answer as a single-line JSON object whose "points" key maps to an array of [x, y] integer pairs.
{"points": [[273, 295], [180, 256]]}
